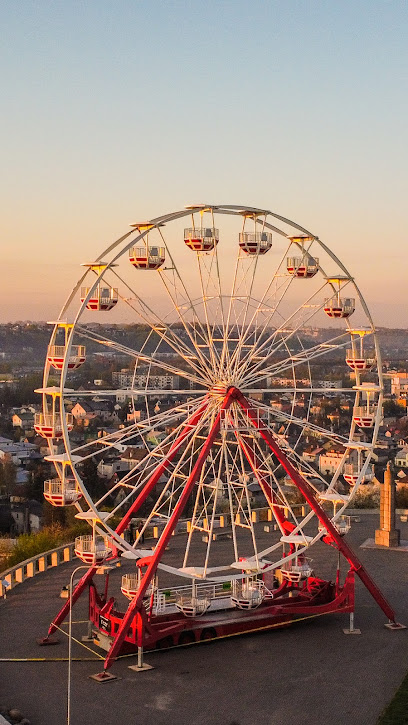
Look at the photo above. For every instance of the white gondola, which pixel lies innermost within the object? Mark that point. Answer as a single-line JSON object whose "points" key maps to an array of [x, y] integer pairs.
{"points": [[61, 491], [56, 355], [342, 525], [255, 242], [297, 569], [103, 297], [92, 549], [337, 306], [192, 606], [302, 267], [247, 594], [360, 361], [201, 239], [147, 257], [130, 585]]}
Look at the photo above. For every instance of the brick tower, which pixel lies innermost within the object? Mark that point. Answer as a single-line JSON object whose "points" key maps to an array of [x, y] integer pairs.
{"points": [[387, 534]]}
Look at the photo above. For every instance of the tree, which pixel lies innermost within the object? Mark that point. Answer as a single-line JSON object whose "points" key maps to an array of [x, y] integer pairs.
{"points": [[7, 477], [393, 409], [93, 484]]}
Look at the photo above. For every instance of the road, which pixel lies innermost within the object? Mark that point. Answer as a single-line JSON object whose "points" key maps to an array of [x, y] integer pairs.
{"points": [[309, 673]]}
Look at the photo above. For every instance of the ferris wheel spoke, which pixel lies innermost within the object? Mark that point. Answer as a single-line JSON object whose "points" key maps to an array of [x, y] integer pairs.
{"points": [[106, 442], [300, 422], [270, 306], [281, 282], [268, 345], [149, 475], [182, 300], [257, 372], [138, 354], [276, 497], [165, 331]]}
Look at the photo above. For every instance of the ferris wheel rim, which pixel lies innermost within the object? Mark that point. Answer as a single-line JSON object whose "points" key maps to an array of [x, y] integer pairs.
{"points": [[219, 209]]}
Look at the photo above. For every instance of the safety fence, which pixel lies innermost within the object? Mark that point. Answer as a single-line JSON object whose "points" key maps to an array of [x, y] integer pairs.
{"points": [[40, 563], [36, 565]]}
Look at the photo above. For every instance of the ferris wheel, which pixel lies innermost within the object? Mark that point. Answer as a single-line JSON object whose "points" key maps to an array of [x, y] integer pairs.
{"points": [[248, 367]]}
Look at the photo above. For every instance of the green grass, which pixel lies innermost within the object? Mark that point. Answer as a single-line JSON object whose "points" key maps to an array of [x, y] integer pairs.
{"points": [[396, 713]]}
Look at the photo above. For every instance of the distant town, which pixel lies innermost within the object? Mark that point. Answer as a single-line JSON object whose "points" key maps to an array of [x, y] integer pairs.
{"points": [[23, 468]]}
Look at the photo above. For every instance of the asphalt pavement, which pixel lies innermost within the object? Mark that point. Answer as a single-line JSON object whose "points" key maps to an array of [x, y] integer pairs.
{"points": [[308, 673]]}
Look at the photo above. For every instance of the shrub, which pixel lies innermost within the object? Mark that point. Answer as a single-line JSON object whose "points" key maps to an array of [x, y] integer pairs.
{"points": [[367, 497], [50, 537]]}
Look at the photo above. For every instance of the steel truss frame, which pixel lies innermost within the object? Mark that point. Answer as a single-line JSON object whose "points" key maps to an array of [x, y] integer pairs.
{"points": [[151, 563]]}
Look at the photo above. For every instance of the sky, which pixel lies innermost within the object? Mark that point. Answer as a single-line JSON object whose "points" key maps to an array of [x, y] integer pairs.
{"points": [[116, 111]]}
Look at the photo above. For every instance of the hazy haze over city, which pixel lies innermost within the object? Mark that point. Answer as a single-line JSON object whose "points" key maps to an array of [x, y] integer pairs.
{"points": [[113, 112]]}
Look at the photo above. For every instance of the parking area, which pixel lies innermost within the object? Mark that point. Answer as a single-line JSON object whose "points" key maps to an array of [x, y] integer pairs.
{"points": [[308, 673]]}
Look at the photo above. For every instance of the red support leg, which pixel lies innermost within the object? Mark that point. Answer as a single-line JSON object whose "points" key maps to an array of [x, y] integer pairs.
{"points": [[153, 561], [285, 525], [310, 497], [151, 483]]}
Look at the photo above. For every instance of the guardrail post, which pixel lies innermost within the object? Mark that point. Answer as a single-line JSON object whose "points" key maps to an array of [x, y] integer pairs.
{"points": [[19, 575], [67, 553], [31, 567]]}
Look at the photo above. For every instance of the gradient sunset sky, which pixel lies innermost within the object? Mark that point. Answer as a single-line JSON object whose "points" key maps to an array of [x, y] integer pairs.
{"points": [[121, 111]]}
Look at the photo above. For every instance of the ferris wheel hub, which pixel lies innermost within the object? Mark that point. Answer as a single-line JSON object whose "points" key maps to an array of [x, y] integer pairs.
{"points": [[219, 390]]}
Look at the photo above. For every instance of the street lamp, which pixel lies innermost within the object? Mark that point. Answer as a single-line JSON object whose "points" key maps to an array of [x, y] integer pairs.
{"points": [[100, 570]]}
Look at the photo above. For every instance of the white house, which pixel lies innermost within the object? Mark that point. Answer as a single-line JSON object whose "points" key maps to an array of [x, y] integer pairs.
{"points": [[401, 459]]}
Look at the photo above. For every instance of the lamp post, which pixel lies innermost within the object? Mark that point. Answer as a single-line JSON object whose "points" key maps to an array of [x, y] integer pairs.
{"points": [[83, 566], [100, 570]]}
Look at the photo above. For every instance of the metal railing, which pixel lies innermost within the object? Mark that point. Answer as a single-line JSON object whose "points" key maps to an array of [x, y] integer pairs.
{"points": [[264, 239], [154, 253], [103, 294], [59, 351], [52, 420], [202, 233], [346, 305], [29, 568], [309, 262]]}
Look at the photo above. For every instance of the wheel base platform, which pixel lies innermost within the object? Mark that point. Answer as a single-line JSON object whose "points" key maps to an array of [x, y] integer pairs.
{"points": [[103, 677], [46, 641], [140, 668], [395, 625]]}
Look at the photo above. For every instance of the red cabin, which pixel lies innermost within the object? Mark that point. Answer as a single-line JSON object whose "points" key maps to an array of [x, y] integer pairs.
{"points": [[92, 549], [339, 307], [102, 298], [56, 354], [360, 361], [202, 239], [255, 242], [147, 257], [303, 267], [61, 492], [364, 415], [49, 425]]}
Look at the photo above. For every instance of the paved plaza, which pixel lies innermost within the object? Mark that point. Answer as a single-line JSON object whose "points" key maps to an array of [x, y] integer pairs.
{"points": [[308, 673]]}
